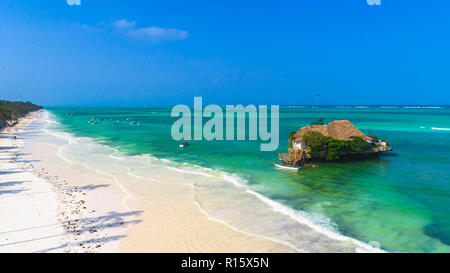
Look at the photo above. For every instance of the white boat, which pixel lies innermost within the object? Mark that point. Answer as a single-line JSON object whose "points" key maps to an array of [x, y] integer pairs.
{"points": [[182, 145], [287, 167]]}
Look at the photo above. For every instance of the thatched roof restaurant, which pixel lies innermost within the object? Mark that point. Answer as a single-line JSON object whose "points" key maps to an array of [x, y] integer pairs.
{"points": [[338, 129]]}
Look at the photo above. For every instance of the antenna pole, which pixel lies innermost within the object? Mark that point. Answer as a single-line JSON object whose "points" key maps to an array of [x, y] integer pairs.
{"points": [[317, 102]]}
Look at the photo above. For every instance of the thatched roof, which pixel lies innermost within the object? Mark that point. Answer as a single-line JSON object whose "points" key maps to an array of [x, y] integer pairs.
{"points": [[338, 129]]}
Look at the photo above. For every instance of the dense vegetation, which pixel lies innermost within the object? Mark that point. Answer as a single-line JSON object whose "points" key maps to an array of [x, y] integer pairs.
{"points": [[10, 111], [333, 149], [291, 138]]}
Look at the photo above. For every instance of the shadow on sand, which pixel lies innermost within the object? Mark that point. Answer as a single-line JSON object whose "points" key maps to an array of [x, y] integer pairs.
{"points": [[9, 172], [11, 184], [90, 187], [77, 227], [6, 148]]}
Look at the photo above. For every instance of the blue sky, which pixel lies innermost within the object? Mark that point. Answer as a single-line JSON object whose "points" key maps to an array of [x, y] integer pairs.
{"points": [[130, 53]]}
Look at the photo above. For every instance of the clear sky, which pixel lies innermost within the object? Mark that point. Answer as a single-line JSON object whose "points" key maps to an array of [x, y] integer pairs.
{"points": [[129, 53]]}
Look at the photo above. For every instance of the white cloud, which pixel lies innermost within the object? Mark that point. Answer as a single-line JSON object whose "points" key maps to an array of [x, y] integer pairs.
{"points": [[158, 34], [152, 34], [124, 23], [73, 2]]}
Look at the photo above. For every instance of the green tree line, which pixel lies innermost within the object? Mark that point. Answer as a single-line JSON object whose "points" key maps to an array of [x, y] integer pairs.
{"points": [[11, 111]]}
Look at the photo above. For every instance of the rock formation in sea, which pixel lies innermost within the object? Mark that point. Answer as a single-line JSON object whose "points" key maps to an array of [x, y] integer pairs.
{"points": [[332, 142]]}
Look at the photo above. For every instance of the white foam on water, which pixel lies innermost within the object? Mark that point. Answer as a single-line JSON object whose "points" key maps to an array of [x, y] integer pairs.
{"points": [[66, 136], [116, 157], [297, 106], [422, 107], [189, 172], [308, 219], [301, 217], [440, 129], [196, 166], [238, 182], [130, 173]]}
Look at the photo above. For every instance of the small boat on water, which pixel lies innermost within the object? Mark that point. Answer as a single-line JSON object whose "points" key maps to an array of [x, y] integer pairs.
{"points": [[184, 144], [286, 167], [95, 120]]}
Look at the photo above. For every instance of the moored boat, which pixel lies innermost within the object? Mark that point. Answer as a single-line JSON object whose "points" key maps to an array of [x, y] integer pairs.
{"points": [[184, 144], [286, 167]]}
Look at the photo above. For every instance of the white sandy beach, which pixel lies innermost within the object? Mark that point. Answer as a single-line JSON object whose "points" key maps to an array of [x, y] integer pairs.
{"points": [[42, 212]]}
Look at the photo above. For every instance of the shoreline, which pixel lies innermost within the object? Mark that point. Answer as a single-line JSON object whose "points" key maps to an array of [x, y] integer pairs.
{"points": [[47, 199], [98, 214]]}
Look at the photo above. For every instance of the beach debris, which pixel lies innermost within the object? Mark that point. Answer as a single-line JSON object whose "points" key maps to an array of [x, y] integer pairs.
{"points": [[95, 120]]}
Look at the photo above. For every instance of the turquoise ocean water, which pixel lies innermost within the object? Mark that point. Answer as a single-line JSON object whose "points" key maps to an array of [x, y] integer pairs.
{"points": [[400, 200]]}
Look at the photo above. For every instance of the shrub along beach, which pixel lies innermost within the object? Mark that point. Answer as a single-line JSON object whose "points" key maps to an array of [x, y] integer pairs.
{"points": [[11, 111]]}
